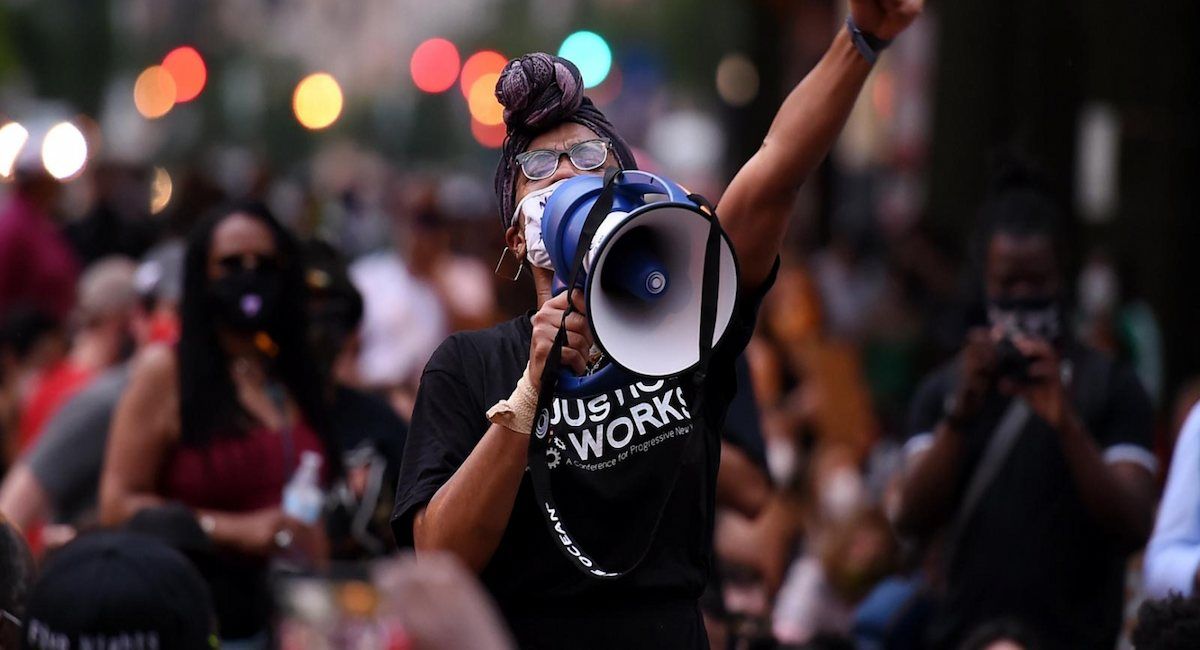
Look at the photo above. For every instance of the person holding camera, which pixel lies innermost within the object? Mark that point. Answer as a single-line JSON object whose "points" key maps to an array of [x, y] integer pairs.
{"points": [[1030, 452]]}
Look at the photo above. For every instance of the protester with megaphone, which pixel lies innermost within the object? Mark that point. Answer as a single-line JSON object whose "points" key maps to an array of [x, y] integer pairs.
{"points": [[606, 540]]}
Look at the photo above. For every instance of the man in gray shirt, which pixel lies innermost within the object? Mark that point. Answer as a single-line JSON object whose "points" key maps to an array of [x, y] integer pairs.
{"points": [[58, 479], [66, 459]]}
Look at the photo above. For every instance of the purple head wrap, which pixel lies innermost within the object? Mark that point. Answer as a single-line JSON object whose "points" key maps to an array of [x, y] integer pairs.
{"points": [[539, 92]]}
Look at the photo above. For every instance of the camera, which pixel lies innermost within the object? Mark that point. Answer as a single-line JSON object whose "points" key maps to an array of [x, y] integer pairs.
{"points": [[1011, 363]]}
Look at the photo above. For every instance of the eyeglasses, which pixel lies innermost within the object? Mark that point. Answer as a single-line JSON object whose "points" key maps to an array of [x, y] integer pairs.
{"points": [[542, 163]]}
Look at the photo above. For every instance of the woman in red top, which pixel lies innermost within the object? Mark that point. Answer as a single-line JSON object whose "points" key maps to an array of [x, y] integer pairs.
{"points": [[220, 422]]}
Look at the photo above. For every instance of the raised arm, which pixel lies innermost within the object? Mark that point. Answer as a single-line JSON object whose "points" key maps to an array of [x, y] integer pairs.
{"points": [[756, 205]]}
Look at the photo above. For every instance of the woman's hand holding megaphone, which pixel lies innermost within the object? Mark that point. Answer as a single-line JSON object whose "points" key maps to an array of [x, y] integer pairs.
{"points": [[576, 352]]}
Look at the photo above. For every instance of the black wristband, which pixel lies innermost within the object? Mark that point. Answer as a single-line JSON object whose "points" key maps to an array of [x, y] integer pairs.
{"points": [[868, 45]]}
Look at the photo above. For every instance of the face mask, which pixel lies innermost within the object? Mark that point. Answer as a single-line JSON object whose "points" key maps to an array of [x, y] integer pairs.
{"points": [[1038, 318], [247, 300], [533, 206]]}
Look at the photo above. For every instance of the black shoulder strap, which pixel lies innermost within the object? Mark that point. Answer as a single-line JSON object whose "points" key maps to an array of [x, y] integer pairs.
{"points": [[542, 437]]}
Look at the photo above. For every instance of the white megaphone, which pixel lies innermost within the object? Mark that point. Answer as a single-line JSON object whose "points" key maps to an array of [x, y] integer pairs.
{"points": [[642, 276]]}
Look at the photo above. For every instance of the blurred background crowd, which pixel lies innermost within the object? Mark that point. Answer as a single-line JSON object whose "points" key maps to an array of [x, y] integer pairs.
{"points": [[370, 131]]}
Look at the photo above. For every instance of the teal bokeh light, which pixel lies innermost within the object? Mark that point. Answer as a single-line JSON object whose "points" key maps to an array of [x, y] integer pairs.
{"points": [[590, 53]]}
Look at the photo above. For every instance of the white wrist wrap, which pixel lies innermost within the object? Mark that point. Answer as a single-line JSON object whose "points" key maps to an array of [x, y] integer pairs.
{"points": [[516, 412]]}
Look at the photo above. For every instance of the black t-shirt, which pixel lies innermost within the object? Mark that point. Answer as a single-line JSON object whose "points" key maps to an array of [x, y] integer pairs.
{"points": [[360, 418], [371, 437], [1030, 551], [610, 478]]}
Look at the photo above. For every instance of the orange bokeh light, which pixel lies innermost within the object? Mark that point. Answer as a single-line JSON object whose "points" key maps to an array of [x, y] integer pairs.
{"points": [[154, 92], [482, 101], [317, 101], [488, 135], [477, 65], [187, 69], [434, 65]]}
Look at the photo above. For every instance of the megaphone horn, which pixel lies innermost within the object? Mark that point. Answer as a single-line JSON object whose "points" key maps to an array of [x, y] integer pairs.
{"points": [[635, 266], [643, 275]]}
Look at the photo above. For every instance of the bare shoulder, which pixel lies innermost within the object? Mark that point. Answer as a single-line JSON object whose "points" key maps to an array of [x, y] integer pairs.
{"points": [[156, 365], [153, 394]]}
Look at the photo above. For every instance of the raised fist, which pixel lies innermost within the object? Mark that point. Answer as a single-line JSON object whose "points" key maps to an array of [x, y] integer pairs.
{"points": [[885, 19]]}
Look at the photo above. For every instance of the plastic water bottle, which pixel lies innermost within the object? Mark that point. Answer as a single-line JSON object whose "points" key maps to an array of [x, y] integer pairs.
{"points": [[302, 496]]}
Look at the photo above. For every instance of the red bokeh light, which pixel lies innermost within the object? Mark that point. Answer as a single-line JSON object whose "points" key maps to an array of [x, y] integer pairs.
{"points": [[490, 136], [434, 65], [186, 67], [479, 64]]}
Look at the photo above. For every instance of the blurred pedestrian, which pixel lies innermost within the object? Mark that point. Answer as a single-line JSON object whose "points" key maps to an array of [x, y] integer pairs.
{"points": [[38, 269], [441, 604], [1173, 555], [462, 283], [118, 222], [824, 587], [100, 339], [30, 342], [464, 486], [116, 589], [1030, 449], [403, 320], [369, 432], [220, 423], [1170, 623], [57, 479]]}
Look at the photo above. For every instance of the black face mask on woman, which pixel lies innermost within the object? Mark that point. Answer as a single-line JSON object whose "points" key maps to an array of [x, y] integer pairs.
{"points": [[247, 300]]}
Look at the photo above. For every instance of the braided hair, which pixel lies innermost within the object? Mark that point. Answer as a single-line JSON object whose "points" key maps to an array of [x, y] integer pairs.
{"points": [[539, 92]]}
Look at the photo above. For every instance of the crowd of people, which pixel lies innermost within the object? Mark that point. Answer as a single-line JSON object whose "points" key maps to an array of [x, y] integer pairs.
{"points": [[171, 386]]}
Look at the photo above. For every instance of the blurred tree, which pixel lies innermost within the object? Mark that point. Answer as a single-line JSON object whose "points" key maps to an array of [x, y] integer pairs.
{"points": [[65, 46], [8, 59]]}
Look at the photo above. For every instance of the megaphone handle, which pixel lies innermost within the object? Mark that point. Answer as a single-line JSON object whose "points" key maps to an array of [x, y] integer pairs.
{"points": [[551, 376], [604, 379], [539, 469]]}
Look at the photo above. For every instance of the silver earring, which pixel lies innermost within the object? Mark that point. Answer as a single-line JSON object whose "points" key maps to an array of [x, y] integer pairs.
{"points": [[520, 265]]}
